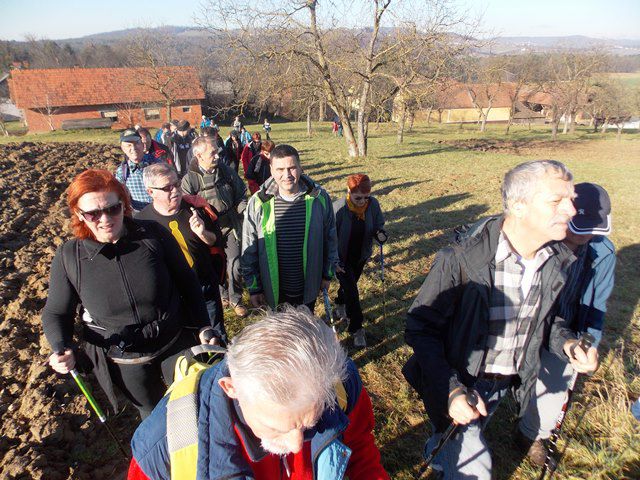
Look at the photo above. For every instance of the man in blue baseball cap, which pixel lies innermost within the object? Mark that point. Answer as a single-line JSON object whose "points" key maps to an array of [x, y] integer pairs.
{"points": [[583, 302]]}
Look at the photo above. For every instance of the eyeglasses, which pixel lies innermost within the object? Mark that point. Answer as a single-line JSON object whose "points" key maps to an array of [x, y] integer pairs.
{"points": [[167, 188], [95, 215], [360, 197]]}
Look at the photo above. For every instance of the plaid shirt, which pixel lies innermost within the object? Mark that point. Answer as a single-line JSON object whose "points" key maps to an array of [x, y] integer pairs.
{"points": [[511, 313], [130, 174]]}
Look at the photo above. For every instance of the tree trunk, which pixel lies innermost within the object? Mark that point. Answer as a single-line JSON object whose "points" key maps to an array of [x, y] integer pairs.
{"points": [[619, 135], [511, 113], [322, 108], [566, 124], [309, 121], [349, 137], [412, 118], [401, 121], [363, 120], [604, 125], [554, 130], [483, 124], [572, 122], [168, 105], [429, 112]]}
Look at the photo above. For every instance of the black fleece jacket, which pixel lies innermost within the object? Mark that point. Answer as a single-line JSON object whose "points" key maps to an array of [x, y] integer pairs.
{"points": [[140, 279]]}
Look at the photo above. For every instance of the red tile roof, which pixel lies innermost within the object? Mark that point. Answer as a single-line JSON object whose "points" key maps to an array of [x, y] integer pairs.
{"points": [[457, 95], [64, 87]]}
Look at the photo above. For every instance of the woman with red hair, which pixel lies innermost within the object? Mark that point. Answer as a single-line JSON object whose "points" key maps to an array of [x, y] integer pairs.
{"points": [[134, 286], [358, 221]]}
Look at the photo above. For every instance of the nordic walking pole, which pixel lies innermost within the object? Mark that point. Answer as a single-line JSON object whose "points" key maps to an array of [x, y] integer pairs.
{"points": [[472, 400], [327, 308], [384, 296], [550, 464], [94, 405]]}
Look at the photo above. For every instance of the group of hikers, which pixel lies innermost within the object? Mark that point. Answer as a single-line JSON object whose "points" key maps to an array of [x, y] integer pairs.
{"points": [[162, 247]]}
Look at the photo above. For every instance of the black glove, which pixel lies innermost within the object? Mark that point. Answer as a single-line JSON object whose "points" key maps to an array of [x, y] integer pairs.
{"points": [[381, 236]]}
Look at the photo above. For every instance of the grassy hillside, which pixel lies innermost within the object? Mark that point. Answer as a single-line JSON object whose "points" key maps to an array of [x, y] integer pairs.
{"points": [[441, 177]]}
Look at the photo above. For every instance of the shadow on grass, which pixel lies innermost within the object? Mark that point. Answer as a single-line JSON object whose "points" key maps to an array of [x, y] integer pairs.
{"points": [[405, 450], [424, 152]]}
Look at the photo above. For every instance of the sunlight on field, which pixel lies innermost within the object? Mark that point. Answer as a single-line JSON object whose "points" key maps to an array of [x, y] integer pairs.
{"points": [[441, 177]]}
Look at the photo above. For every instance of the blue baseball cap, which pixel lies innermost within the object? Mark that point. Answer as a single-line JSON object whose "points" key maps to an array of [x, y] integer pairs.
{"points": [[593, 210]]}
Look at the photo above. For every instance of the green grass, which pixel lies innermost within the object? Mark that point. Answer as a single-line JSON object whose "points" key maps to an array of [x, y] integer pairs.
{"points": [[439, 178], [631, 79]]}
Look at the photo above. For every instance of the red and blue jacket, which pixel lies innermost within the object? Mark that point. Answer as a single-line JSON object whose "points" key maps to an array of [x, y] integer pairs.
{"points": [[341, 443]]}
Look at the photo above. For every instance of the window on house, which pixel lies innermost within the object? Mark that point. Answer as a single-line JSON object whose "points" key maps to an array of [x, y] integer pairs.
{"points": [[112, 114], [152, 114], [186, 109]]}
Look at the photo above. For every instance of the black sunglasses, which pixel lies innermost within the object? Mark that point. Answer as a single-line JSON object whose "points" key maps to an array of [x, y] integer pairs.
{"points": [[95, 215], [167, 188]]}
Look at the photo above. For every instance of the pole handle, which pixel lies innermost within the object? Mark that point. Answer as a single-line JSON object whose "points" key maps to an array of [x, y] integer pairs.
{"points": [[472, 399], [585, 342]]}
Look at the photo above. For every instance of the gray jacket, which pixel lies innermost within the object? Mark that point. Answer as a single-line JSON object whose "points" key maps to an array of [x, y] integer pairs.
{"points": [[259, 260], [373, 222], [223, 189]]}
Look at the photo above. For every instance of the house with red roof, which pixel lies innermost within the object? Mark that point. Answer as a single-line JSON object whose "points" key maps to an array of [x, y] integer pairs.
{"points": [[67, 98]]}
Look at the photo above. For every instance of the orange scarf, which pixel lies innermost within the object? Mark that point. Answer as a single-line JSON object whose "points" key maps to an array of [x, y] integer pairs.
{"points": [[358, 211]]}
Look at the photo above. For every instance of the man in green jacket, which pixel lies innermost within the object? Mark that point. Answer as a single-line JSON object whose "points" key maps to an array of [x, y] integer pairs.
{"points": [[289, 245]]}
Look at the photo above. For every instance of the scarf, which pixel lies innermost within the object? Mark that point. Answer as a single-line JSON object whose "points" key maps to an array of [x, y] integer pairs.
{"points": [[357, 211]]}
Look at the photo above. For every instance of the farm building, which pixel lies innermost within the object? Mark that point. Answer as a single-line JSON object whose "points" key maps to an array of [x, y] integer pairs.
{"points": [[68, 98], [460, 103]]}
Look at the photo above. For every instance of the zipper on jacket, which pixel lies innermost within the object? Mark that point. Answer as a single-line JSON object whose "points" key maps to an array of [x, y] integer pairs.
{"points": [[132, 302]]}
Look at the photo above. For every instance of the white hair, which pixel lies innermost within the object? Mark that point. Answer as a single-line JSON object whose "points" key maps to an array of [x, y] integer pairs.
{"points": [[519, 183], [290, 358], [152, 173]]}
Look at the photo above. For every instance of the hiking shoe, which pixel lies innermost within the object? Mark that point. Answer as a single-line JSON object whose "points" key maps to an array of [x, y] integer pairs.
{"points": [[241, 310], [359, 339], [340, 311], [536, 450]]}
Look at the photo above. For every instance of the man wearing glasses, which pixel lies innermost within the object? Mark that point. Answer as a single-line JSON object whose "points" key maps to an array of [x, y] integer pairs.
{"points": [[129, 172], [194, 225]]}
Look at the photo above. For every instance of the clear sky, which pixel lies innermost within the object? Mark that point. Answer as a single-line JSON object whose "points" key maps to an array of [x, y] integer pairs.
{"points": [[55, 19]]}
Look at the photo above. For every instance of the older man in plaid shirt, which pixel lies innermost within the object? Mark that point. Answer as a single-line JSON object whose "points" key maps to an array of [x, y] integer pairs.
{"points": [[486, 308], [129, 172]]}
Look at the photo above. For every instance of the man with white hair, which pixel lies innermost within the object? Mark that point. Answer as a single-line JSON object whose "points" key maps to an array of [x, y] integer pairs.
{"points": [[484, 310], [285, 403]]}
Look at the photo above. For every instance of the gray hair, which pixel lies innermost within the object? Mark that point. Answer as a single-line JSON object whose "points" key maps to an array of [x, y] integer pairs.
{"points": [[199, 145], [151, 173], [290, 357], [519, 182]]}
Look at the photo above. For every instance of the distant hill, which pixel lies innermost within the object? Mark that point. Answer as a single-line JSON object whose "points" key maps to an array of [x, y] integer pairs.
{"points": [[500, 45]]}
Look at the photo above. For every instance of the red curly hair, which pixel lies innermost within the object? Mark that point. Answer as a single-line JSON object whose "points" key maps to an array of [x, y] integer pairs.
{"points": [[93, 180], [359, 182]]}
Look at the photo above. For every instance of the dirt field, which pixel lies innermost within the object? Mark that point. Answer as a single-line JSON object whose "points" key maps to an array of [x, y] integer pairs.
{"points": [[45, 429]]}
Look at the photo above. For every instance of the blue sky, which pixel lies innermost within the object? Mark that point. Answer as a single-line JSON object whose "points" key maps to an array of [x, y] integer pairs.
{"points": [[57, 19]]}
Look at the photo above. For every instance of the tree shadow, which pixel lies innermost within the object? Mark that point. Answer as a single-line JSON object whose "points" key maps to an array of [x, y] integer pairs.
{"points": [[433, 151]]}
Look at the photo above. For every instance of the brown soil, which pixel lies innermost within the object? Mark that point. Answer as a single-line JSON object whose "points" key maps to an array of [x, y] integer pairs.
{"points": [[46, 428], [518, 147]]}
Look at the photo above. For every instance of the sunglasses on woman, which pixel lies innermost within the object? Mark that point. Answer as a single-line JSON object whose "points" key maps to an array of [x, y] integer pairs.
{"points": [[95, 215]]}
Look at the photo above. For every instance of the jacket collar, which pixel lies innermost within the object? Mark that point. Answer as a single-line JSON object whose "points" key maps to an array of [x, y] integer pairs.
{"points": [[92, 247], [270, 188], [227, 415]]}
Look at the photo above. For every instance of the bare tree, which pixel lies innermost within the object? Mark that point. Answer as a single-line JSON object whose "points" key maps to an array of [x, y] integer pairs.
{"points": [[150, 51], [614, 102], [350, 64], [525, 72]]}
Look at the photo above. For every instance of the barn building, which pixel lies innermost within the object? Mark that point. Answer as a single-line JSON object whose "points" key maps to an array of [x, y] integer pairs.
{"points": [[68, 98]]}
